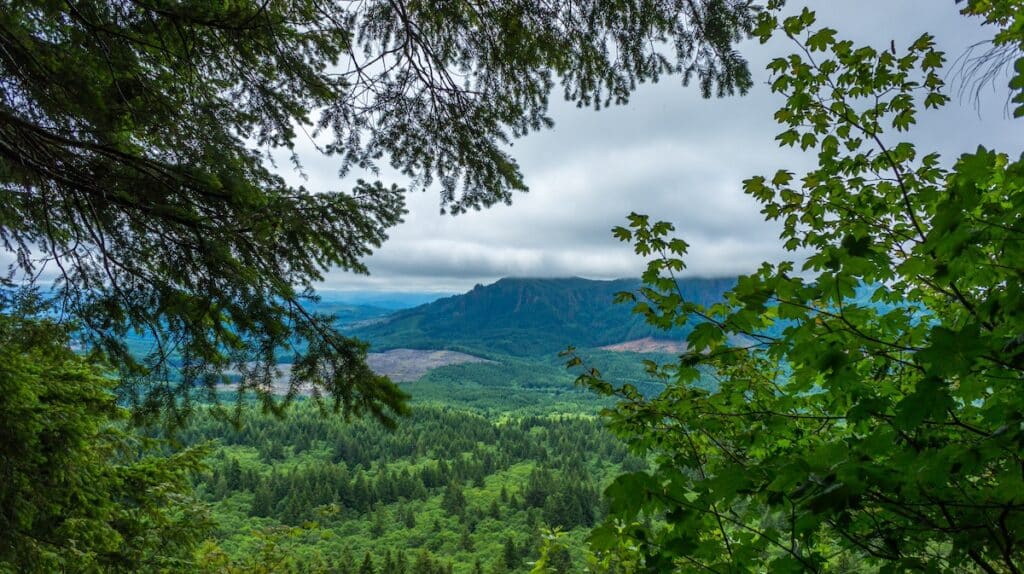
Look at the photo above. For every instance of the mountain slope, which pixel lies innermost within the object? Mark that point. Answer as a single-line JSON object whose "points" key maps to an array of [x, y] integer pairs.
{"points": [[528, 317]]}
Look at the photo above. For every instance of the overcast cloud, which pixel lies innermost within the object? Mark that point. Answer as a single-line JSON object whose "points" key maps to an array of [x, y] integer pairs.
{"points": [[670, 154]]}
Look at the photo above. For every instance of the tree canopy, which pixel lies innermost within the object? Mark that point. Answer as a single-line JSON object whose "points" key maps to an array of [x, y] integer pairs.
{"points": [[862, 412], [137, 141], [78, 491]]}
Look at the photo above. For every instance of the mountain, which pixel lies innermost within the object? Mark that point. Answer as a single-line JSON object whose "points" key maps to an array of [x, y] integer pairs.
{"points": [[389, 300], [523, 317]]}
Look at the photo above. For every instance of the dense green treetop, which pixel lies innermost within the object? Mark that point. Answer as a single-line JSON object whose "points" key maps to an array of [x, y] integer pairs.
{"points": [[136, 141], [79, 492], [448, 482], [865, 436]]}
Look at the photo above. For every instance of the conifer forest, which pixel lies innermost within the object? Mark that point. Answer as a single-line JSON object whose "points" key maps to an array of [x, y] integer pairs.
{"points": [[511, 287]]}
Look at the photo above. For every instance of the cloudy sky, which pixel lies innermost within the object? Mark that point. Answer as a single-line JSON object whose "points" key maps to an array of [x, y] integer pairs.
{"points": [[668, 153]]}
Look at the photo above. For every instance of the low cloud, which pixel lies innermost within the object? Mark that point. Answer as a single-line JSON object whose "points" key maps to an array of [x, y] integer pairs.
{"points": [[669, 154]]}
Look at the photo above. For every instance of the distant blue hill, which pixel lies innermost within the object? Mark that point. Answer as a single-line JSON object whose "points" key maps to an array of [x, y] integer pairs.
{"points": [[390, 300], [525, 317]]}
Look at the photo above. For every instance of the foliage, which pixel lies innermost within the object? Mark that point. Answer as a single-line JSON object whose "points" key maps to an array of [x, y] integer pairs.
{"points": [[137, 143], [554, 556], [273, 553], [79, 492], [537, 385], [1006, 51], [840, 434], [447, 484]]}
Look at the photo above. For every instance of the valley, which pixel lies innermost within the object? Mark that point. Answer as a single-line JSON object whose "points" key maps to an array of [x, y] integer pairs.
{"points": [[251, 321], [501, 445]]}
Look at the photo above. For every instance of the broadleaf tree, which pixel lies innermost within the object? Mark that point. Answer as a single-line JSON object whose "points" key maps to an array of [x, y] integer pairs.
{"points": [[137, 147], [862, 413]]}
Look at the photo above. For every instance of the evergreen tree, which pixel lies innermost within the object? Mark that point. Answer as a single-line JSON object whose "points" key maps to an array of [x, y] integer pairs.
{"points": [[423, 565], [346, 563], [78, 491], [389, 566], [539, 487], [454, 501], [144, 182], [233, 475], [554, 556], [262, 500], [275, 451], [367, 566], [510, 553], [361, 497], [306, 485], [559, 561], [466, 540], [220, 487], [377, 529]]}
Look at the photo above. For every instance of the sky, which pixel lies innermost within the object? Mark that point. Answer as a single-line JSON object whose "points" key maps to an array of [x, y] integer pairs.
{"points": [[668, 153]]}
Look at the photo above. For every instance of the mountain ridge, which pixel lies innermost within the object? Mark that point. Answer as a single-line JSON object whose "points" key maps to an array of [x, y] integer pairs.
{"points": [[528, 316]]}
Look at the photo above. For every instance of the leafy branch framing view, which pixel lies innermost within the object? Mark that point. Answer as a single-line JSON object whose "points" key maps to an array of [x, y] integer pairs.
{"points": [[864, 413], [860, 411]]}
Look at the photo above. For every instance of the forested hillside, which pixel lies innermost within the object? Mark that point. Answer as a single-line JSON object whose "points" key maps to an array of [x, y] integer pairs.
{"points": [[530, 317], [447, 491]]}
